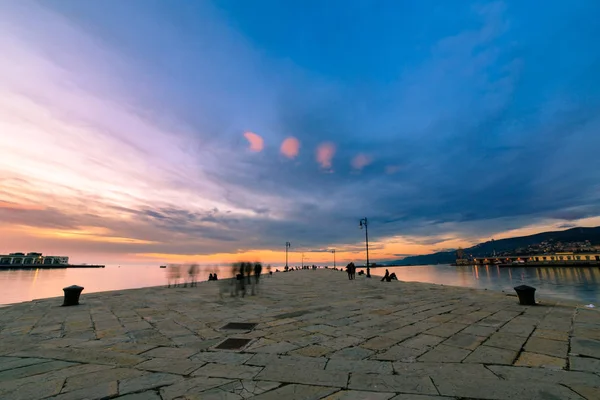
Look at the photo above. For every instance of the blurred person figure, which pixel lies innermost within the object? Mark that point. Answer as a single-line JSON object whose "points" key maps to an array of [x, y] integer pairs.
{"points": [[193, 274], [174, 273], [257, 271]]}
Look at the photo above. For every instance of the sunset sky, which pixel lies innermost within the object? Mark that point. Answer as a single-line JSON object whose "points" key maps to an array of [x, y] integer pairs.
{"points": [[147, 132]]}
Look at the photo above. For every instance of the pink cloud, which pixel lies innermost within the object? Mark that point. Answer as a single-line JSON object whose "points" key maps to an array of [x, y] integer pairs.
{"points": [[256, 142], [360, 161], [325, 153], [290, 147]]}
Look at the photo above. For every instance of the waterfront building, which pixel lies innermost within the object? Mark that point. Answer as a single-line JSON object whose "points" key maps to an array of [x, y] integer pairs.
{"points": [[558, 258], [32, 259]]}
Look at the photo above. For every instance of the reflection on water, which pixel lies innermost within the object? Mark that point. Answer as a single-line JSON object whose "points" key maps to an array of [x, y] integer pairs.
{"points": [[26, 285], [575, 283]]}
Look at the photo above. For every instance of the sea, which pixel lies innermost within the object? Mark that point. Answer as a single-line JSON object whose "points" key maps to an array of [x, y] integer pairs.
{"points": [[580, 284]]}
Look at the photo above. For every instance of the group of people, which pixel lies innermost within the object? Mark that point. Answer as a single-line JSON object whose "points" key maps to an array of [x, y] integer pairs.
{"points": [[175, 273], [213, 277], [389, 277]]}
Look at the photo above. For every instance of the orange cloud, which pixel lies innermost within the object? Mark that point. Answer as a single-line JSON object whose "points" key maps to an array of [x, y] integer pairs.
{"points": [[256, 142], [360, 161], [290, 147], [325, 153], [16, 206]]}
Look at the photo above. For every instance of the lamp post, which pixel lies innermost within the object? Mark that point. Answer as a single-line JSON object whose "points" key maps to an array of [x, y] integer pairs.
{"points": [[333, 251], [287, 246], [363, 222], [302, 260]]}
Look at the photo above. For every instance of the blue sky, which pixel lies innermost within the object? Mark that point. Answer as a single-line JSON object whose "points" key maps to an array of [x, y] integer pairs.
{"points": [[445, 123]]}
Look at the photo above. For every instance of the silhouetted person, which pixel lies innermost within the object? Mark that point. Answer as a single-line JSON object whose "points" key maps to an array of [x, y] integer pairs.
{"points": [[257, 271], [215, 278], [349, 270], [352, 271], [393, 277], [210, 277], [386, 277]]}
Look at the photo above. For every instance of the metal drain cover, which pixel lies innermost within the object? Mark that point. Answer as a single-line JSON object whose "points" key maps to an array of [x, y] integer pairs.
{"points": [[233, 344], [242, 326]]}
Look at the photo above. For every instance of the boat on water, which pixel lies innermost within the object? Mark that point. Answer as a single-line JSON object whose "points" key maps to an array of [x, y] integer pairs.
{"points": [[34, 260], [163, 266]]}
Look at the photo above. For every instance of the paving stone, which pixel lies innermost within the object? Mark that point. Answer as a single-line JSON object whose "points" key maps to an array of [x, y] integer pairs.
{"points": [[362, 366], [584, 364], [170, 365], [149, 395], [84, 356], [442, 370], [585, 347], [247, 388], [479, 330], [34, 369], [352, 353], [419, 397], [443, 353], [40, 390], [8, 363], [422, 341], [170, 352], [506, 341], [379, 343], [587, 392], [147, 382], [191, 385], [232, 371], [312, 351], [540, 360], [551, 334], [296, 392], [309, 377], [96, 392], [549, 347], [464, 341], [92, 378], [491, 355], [526, 374], [358, 395], [446, 330], [277, 348], [490, 389], [222, 357], [300, 362], [391, 384], [399, 353]]}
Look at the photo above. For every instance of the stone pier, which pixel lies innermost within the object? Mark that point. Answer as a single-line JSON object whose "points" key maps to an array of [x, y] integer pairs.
{"points": [[318, 335]]}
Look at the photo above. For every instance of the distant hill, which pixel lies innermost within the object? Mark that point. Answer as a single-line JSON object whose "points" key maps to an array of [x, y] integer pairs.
{"points": [[509, 244]]}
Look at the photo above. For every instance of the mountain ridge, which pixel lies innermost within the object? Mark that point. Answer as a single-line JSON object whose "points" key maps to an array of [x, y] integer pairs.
{"points": [[578, 234]]}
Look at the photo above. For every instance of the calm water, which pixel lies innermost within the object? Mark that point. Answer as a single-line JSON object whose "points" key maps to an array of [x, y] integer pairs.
{"points": [[580, 284], [26, 285]]}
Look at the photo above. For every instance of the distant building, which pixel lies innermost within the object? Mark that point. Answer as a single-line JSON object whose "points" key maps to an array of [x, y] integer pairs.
{"points": [[32, 259], [565, 257]]}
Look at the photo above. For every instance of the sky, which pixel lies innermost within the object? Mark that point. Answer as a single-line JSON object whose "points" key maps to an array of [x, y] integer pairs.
{"points": [[146, 132]]}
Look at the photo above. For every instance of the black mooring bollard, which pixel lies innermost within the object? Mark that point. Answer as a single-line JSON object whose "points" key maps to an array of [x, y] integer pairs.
{"points": [[526, 295], [72, 295]]}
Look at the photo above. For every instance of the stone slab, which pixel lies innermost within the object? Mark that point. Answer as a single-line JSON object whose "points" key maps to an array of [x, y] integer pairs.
{"points": [[392, 384]]}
